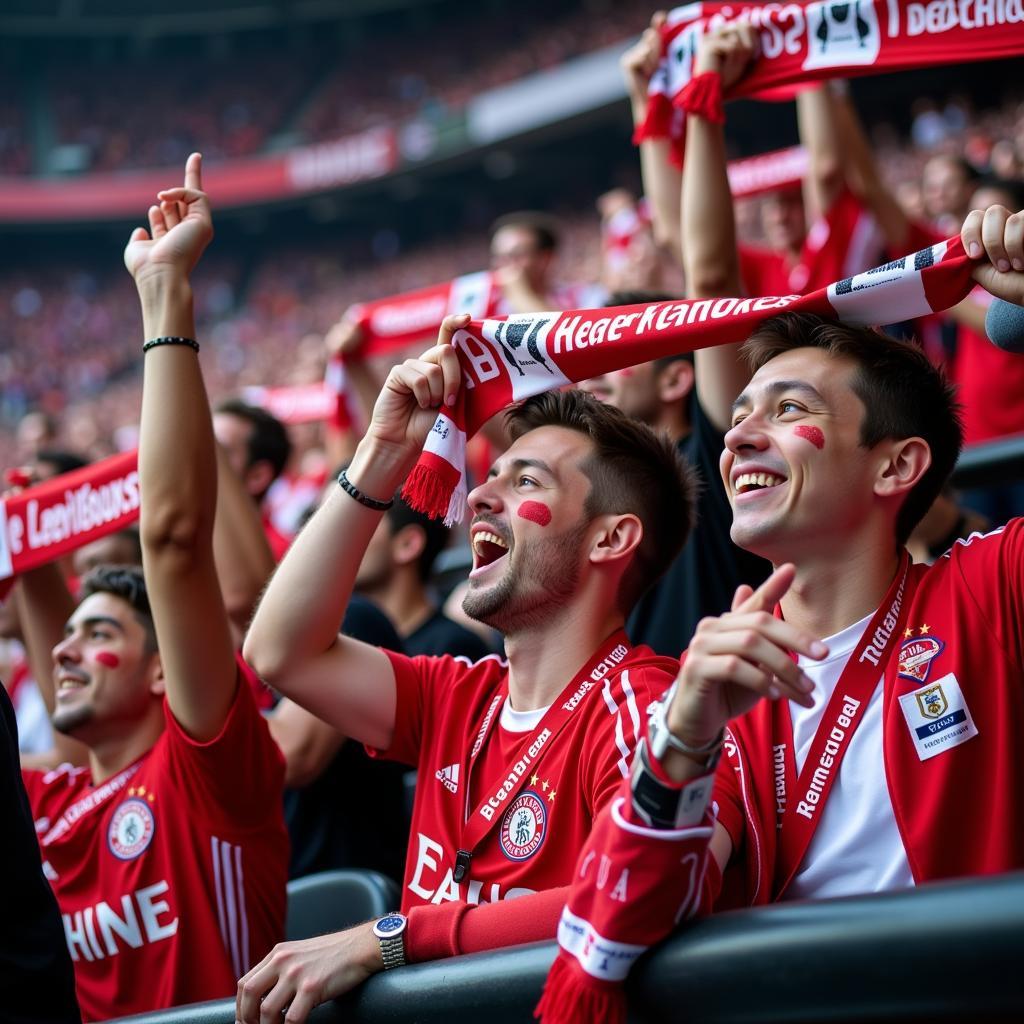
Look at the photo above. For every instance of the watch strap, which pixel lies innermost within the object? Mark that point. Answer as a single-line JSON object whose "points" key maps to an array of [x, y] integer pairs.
{"points": [[665, 806]]}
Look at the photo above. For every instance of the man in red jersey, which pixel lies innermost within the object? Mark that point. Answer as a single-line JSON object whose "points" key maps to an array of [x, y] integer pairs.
{"points": [[576, 519], [887, 752], [168, 853]]}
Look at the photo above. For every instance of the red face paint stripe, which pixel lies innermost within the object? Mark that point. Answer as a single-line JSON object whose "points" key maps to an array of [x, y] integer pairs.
{"points": [[108, 659], [536, 512], [812, 434]]}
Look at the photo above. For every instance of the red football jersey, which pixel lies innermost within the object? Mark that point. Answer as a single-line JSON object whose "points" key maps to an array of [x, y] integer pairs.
{"points": [[846, 241], [170, 876], [538, 827]]}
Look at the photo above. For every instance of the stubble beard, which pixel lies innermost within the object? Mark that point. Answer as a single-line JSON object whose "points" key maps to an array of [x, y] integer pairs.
{"points": [[543, 580]]}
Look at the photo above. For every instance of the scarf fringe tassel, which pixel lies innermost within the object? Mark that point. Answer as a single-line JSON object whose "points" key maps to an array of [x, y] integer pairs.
{"points": [[428, 492], [571, 996]]}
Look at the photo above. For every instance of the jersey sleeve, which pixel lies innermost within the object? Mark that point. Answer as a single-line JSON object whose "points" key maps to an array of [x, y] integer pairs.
{"points": [[239, 774], [619, 721], [991, 569], [419, 683]]}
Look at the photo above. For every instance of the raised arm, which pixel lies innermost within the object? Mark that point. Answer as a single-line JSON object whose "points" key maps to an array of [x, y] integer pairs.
{"points": [[710, 257], [660, 176], [294, 643], [44, 604], [822, 136], [177, 466]]}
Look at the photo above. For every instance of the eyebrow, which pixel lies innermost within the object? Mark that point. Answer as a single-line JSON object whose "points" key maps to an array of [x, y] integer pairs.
{"points": [[778, 387], [517, 464], [94, 620]]}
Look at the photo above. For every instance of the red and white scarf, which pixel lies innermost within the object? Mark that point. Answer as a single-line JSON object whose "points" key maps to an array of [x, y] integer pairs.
{"points": [[511, 358], [810, 40]]}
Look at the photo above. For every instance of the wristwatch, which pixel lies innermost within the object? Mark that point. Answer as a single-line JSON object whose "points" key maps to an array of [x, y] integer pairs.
{"points": [[662, 737], [667, 807], [390, 932]]}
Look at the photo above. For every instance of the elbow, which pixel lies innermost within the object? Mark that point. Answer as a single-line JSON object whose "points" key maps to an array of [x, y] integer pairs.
{"points": [[260, 655], [711, 282], [172, 528]]}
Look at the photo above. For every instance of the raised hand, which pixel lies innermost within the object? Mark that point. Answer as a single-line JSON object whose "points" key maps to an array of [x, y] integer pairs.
{"points": [[180, 228], [728, 50], [997, 234], [641, 60], [739, 658], [414, 392]]}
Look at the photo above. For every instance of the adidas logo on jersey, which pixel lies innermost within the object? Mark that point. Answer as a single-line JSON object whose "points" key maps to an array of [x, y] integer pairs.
{"points": [[449, 777]]}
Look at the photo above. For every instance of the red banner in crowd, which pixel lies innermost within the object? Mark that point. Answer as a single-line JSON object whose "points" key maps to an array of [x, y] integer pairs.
{"points": [[298, 403], [56, 517], [769, 172], [301, 171], [413, 316], [810, 40]]}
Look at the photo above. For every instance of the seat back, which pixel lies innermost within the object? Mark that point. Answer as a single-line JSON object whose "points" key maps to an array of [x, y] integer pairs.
{"points": [[332, 900]]}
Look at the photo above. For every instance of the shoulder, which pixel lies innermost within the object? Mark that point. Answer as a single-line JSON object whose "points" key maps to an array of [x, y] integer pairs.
{"points": [[981, 552], [55, 784]]}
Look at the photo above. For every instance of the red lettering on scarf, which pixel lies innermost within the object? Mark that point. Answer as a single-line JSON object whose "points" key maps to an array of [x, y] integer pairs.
{"points": [[536, 512], [812, 434], [108, 658]]}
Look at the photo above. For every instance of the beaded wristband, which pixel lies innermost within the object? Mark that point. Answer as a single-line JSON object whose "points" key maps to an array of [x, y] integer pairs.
{"points": [[153, 342], [364, 499]]}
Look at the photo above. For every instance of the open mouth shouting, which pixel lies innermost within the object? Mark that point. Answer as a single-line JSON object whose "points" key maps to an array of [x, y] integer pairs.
{"points": [[746, 481], [488, 548]]}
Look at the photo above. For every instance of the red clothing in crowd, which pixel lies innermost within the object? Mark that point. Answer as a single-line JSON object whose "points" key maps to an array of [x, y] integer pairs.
{"points": [[844, 242], [537, 829], [170, 876]]}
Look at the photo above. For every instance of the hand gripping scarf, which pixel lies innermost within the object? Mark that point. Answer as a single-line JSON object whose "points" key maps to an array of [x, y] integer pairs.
{"points": [[802, 42], [511, 358]]}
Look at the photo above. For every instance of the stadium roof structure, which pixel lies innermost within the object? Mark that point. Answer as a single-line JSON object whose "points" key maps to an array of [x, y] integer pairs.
{"points": [[151, 18]]}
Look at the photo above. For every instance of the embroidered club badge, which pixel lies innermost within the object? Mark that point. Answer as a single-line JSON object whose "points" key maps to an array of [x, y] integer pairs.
{"points": [[524, 826], [131, 829], [916, 656]]}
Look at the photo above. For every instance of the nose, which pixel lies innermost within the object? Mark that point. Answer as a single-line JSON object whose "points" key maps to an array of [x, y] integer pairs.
{"points": [[66, 650], [748, 434], [485, 497]]}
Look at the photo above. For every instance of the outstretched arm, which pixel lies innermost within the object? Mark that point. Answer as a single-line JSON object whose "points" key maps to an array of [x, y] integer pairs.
{"points": [[293, 642], [822, 136], [710, 258], [660, 176], [177, 466]]}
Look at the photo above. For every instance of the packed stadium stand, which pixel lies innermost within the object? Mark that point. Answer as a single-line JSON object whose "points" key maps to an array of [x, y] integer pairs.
{"points": [[360, 151]]}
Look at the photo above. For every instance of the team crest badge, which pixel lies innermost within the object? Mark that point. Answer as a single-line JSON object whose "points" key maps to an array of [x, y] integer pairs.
{"points": [[916, 654], [524, 826], [932, 702], [131, 829]]}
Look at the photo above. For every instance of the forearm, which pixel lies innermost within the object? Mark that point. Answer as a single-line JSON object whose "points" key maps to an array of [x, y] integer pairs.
{"points": [[708, 226], [821, 136], [452, 929], [241, 552], [300, 613], [177, 465], [662, 186]]}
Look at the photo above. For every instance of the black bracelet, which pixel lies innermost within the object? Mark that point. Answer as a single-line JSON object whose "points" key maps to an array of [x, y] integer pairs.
{"points": [[364, 499], [153, 342]]}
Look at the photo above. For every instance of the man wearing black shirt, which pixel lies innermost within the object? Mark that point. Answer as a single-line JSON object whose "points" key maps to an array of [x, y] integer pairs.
{"points": [[395, 573]]}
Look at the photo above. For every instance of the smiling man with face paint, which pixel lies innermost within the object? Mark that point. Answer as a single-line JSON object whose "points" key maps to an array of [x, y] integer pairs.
{"points": [[574, 521]]}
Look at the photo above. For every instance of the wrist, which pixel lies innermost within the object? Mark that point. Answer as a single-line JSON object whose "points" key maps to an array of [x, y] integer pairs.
{"points": [[167, 307], [378, 469]]}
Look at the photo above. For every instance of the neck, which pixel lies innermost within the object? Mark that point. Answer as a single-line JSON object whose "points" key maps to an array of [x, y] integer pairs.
{"points": [[830, 594], [404, 601], [110, 756], [543, 659]]}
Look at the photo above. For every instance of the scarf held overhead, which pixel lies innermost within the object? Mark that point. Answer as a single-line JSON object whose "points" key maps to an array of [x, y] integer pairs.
{"points": [[803, 42], [508, 359]]}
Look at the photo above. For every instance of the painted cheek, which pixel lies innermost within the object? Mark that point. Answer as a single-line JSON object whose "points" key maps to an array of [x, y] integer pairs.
{"points": [[812, 434], [536, 512], [108, 659]]}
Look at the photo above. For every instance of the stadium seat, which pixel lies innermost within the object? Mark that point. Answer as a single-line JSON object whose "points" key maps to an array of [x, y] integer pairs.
{"points": [[332, 900]]}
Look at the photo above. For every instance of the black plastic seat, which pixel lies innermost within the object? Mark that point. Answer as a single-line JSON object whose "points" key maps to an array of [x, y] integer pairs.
{"points": [[332, 900]]}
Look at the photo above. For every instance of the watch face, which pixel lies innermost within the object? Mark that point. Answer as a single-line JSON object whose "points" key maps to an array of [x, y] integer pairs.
{"points": [[390, 925]]}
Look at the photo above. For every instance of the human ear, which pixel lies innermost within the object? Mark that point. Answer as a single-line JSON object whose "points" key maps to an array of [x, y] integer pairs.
{"points": [[903, 465], [618, 537]]}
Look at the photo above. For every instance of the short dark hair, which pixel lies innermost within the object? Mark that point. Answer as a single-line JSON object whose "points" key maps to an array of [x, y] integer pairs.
{"points": [[903, 394], [268, 440], [636, 296], [632, 469], [539, 224], [436, 534], [127, 583], [1012, 187]]}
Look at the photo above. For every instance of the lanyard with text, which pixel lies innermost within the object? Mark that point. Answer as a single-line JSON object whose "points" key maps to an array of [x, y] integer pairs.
{"points": [[610, 655], [797, 818]]}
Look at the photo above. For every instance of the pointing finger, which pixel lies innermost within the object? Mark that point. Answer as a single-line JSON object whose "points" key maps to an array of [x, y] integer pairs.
{"points": [[194, 172], [768, 595]]}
